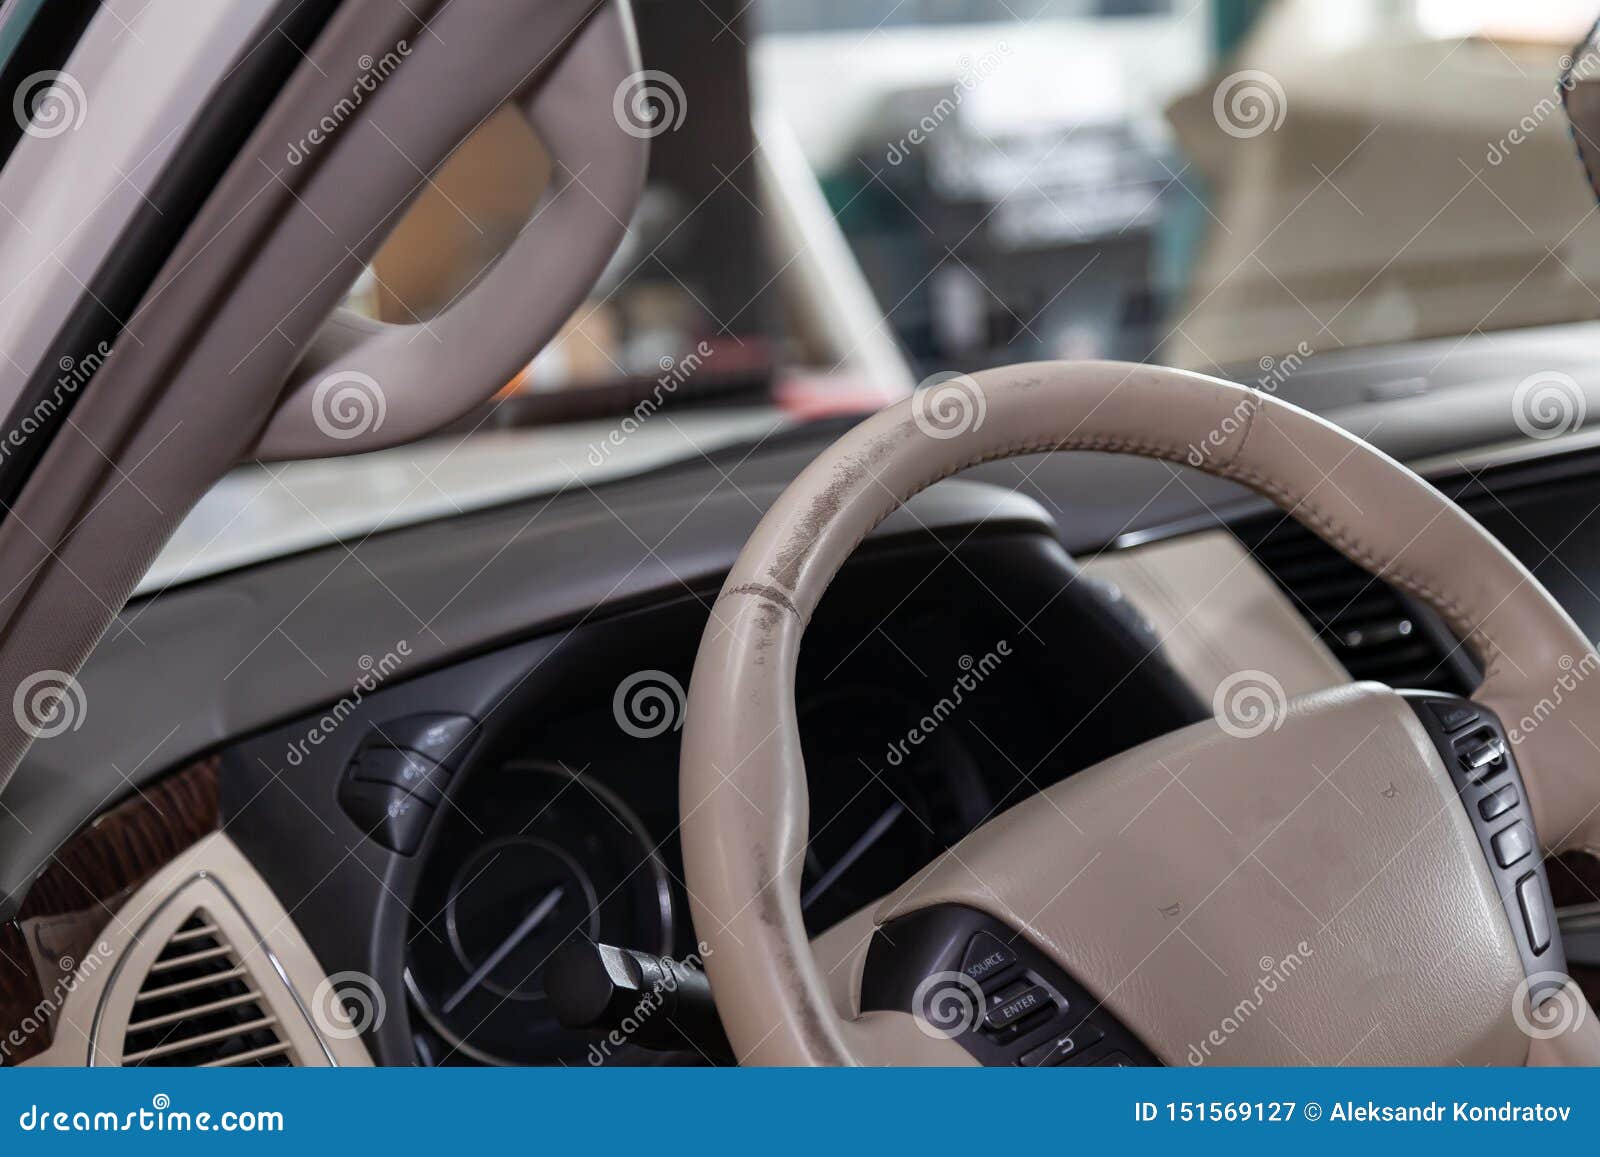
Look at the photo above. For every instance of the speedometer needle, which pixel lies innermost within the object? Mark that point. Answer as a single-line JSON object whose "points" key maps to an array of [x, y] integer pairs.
{"points": [[529, 922]]}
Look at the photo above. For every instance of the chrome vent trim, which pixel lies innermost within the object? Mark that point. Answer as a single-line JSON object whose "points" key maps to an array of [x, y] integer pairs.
{"points": [[157, 967]]}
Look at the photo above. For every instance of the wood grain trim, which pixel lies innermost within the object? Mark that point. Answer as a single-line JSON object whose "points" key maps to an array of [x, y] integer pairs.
{"points": [[102, 862], [126, 845]]}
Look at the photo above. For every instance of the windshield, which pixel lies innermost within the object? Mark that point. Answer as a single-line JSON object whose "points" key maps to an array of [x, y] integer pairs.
{"points": [[847, 198], [1161, 180]]}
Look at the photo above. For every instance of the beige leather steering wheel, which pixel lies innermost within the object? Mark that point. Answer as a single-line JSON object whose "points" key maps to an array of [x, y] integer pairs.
{"points": [[1163, 880]]}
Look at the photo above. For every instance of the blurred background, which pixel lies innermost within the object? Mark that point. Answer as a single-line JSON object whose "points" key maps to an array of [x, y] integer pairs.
{"points": [[1200, 183], [847, 197]]}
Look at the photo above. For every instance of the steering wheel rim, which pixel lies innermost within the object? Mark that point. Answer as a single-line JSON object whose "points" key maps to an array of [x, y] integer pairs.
{"points": [[743, 789]]}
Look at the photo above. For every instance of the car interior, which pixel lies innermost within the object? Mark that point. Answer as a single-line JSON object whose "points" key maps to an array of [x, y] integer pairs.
{"points": [[433, 427]]}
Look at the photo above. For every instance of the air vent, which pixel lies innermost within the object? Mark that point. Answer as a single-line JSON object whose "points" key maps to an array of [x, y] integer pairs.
{"points": [[1374, 630], [199, 1006]]}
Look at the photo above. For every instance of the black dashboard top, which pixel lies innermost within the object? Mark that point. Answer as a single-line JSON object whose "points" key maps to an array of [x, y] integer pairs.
{"points": [[243, 651]]}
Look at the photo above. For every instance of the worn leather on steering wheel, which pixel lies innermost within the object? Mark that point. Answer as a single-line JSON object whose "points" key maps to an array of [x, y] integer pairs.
{"points": [[1434, 927]]}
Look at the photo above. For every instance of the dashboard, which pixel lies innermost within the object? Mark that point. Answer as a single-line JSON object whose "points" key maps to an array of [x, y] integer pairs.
{"points": [[927, 699], [451, 748]]}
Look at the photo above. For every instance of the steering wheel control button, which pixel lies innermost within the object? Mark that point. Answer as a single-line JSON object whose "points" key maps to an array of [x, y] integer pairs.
{"points": [[1114, 1061], [1475, 753], [390, 816], [1535, 913], [1513, 845], [1029, 1002], [443, 738], [1482, 756], [1452, 715], [1063, 1048], [414, 773], [1497, 803], [988, 958], [1032, 1006]]}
